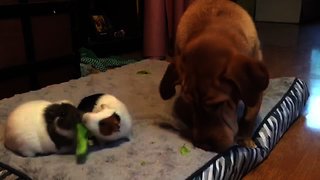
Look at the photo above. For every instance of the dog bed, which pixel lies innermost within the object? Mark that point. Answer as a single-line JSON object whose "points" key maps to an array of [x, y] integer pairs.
{"points": [[156, 151]]}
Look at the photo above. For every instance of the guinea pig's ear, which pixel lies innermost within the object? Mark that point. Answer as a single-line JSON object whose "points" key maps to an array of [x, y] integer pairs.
{"points": [[100, 108], [104, 106], [52, 112]]}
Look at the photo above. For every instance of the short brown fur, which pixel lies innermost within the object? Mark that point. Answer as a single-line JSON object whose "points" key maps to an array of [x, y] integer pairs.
{"points": [[218, 63]]}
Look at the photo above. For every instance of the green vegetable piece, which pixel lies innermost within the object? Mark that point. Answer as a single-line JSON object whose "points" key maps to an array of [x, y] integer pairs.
{"points": [[184, 150], [82, 143], [143, 163], [143, 72]]}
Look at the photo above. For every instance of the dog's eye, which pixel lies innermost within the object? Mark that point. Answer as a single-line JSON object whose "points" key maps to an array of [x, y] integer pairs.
{"points": [[187, 97], [214, 106]]}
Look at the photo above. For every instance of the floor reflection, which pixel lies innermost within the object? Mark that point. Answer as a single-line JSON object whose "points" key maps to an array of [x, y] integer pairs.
{"points": [[312, 109], [315, 63], [288, 53], [313, 113]]}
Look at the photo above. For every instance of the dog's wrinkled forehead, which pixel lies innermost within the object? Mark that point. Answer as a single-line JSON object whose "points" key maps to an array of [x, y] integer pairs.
{"points": [[205, 90], [206, 54], [202, 67]]}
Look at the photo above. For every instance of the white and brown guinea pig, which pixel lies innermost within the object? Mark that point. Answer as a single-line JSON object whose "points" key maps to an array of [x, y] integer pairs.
{"points": [[41, 127], [106, 117]]}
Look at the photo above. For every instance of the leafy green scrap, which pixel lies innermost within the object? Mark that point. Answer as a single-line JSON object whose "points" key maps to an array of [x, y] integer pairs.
{"points": [[143, 72], [184, 150]]}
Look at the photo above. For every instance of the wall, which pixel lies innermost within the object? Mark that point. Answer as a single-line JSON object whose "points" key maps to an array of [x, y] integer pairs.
{"points": [[287, 11]]}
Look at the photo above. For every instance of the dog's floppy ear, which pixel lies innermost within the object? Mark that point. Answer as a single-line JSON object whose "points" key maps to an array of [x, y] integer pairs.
{"points": [[168, 82], [249, 76]]}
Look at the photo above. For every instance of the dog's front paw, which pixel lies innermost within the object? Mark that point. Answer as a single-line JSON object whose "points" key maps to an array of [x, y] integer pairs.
{"points": [[247, 142]]}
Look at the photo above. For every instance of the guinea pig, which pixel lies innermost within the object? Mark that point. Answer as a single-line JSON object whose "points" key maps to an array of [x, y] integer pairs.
{"points": [[106, 117], [42, 127]]}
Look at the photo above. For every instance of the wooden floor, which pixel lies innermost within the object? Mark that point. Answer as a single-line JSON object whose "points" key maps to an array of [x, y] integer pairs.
{"points": [[292, 50]]}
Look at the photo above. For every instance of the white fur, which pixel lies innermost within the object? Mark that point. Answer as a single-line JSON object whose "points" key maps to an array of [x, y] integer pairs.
{"points": [[63, 101], [106, 105], [66, 133], [26, 130]]}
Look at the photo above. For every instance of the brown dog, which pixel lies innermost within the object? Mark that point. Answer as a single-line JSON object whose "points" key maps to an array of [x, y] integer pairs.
{"points": [[218, 64]]}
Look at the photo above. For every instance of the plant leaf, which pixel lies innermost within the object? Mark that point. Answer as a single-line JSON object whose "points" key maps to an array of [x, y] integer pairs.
{"points": [[143, 72], [143, 163], [184, 150]]}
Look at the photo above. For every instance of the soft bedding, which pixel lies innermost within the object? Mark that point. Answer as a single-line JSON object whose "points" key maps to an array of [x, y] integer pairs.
{"points": [[157, 150]]}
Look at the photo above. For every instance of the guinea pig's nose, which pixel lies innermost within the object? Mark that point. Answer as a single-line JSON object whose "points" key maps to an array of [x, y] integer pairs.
{"points": [[84, 120]]}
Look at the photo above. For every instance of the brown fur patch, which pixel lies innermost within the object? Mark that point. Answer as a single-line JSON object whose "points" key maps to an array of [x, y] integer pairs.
{"points": [[109, 125]]}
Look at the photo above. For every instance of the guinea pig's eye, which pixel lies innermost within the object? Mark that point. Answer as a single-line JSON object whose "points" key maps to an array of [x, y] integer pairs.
{"points": [[58, 118], [102, 123]]}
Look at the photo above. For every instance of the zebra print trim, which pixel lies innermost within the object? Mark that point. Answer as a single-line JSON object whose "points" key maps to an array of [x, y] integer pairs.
{"points": [[238, 161], [7, 172]]}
